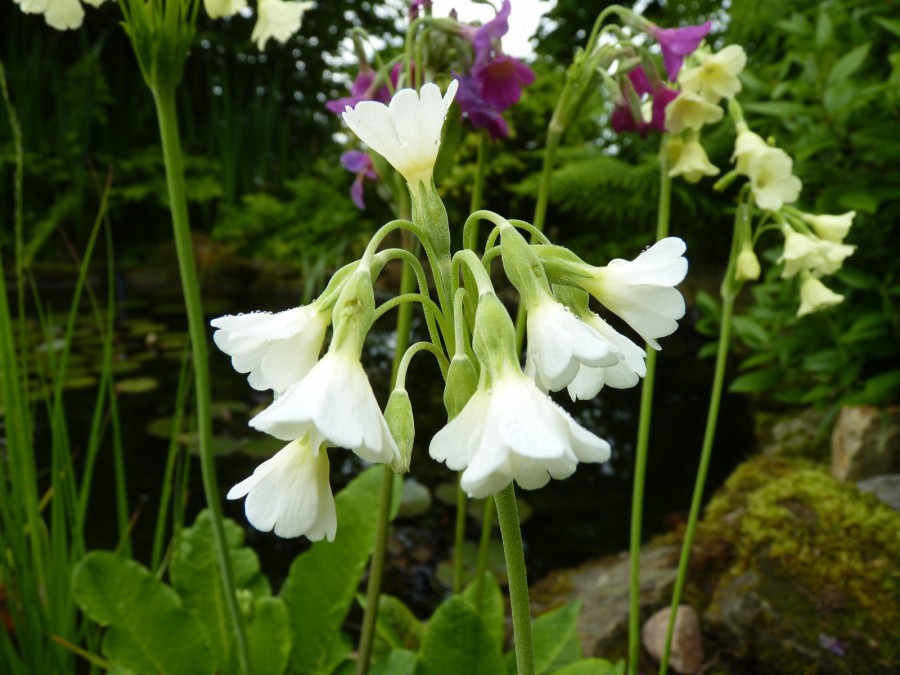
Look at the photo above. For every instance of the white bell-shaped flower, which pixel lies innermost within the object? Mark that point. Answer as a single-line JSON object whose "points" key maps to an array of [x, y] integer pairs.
{"points": [[692, 162], [218, 9], [559, 343], [277, 350], [691, 111], [816, 296], [277, 19], [771, 179], [290, 493], [407, 131], [817, 256], [334, 402], [747, 144], [513, 431], [641, 291], [629, 368], [717, 75], [831, 228]]}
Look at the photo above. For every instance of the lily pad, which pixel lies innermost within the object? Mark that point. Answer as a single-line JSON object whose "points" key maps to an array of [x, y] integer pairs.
{"points": [[137, 385]]}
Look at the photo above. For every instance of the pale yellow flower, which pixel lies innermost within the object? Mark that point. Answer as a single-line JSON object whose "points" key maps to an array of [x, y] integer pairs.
{"points": [[817, 256], [717, 75], [747, 145], [832, 228], [277, 19], [747, 264], [690, 111], [218, 9], [692, 162], [771, 179], [816, 296]]}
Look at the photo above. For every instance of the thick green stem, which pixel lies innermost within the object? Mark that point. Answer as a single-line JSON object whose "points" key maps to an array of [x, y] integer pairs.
{"points": [[508, 517], [168, 129], [643, 441]]}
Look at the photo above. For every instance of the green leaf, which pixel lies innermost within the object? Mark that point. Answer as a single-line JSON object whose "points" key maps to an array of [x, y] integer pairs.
{"points": [[197, 579], [398, 662], [268, 637], [877, 390], [849, 63], [782, 109], [322, 582], [751, 332], [892, 25], [149, 630], [592, 667], [758, 380], [826, 361], [457, 641], [556, 642], [396, 624], [492, 610]]}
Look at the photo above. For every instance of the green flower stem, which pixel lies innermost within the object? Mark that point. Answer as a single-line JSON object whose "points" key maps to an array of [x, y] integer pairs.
{"points": [[729, 291], [459, 536], [376, 571], [508, 517], [487, 522], [171, 145], [643, 439]]}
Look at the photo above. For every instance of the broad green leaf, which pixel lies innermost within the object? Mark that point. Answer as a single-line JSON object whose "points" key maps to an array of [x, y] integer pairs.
{"points": [[892, 25], [322, 582], [396, 624], [849, 63], [556, 642], [198, 581], [268, 637], [825, 361], [492, 610], [782, 109], [758, 380], [457, 641], [149, 630], [592, 667], [398, 662]]}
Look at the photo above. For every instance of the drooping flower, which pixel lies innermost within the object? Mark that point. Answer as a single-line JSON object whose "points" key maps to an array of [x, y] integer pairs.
{"points": [[513, 431], [641, 291], [831, 228], [690, 111], [334, 402], [816, 296], [623, 374], [358, 162], [290, 493], [362, 89], [418, 5], [771, 179], [717, 75], [652, 111], [217, 9], [477, 110], [406, 132], [502, 80], [559, 343], [818, 256], [676, 43], [58, 14], [747, 144], [483, 37], [691, 162], [278, 19], [277, 350]]}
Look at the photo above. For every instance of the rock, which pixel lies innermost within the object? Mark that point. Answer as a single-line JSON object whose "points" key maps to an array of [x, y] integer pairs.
{"points": [[797, 434], [686, 654], [602, 587], [865, 442], [885, 487]]}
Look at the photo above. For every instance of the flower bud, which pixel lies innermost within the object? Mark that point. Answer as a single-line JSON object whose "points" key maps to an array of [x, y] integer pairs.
{"points": [[462, 380], [747, 264], [399, 417]]}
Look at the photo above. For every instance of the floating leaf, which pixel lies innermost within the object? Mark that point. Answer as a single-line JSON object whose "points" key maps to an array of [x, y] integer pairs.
{"points": [[137, 385]]}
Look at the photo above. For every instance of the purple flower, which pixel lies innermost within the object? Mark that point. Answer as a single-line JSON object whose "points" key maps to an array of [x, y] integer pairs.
{"points": [[676, 43], [622, 119], [362, 89], [358, 162], [416, 5], [480, 113], [502, 80]]}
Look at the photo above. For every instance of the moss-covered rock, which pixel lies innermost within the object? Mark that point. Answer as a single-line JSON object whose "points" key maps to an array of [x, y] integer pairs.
{"points": [[799, 573]]}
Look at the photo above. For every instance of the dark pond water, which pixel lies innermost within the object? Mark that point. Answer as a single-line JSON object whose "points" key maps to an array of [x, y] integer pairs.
{"points": [[585, 516]]}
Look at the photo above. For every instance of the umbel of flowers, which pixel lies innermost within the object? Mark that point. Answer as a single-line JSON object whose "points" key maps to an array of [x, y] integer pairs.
{"points": [[502, 425]]}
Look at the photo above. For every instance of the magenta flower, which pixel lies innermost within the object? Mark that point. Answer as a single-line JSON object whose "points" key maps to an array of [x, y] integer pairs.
{"points": [[676, 43], [362, 89], [480, 113], [416, 5], [358, 162], [622, 120], [502, 80], [482, 37]]}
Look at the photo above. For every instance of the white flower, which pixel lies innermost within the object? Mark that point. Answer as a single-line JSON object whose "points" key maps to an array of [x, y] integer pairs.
{"points": [[831, 228], [277, 350], [217, 9], [335, 402], [717, 75], [690, 111], [817, 256], [625, 373], [815, 296], [277, 19], [513, 431], [290, 492], [641, 291], [771, 180], [559, 343], [407, 132], [692, 162]]}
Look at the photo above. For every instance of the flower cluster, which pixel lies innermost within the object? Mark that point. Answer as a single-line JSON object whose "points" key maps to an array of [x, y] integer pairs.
{"points": [[502, 425]]}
